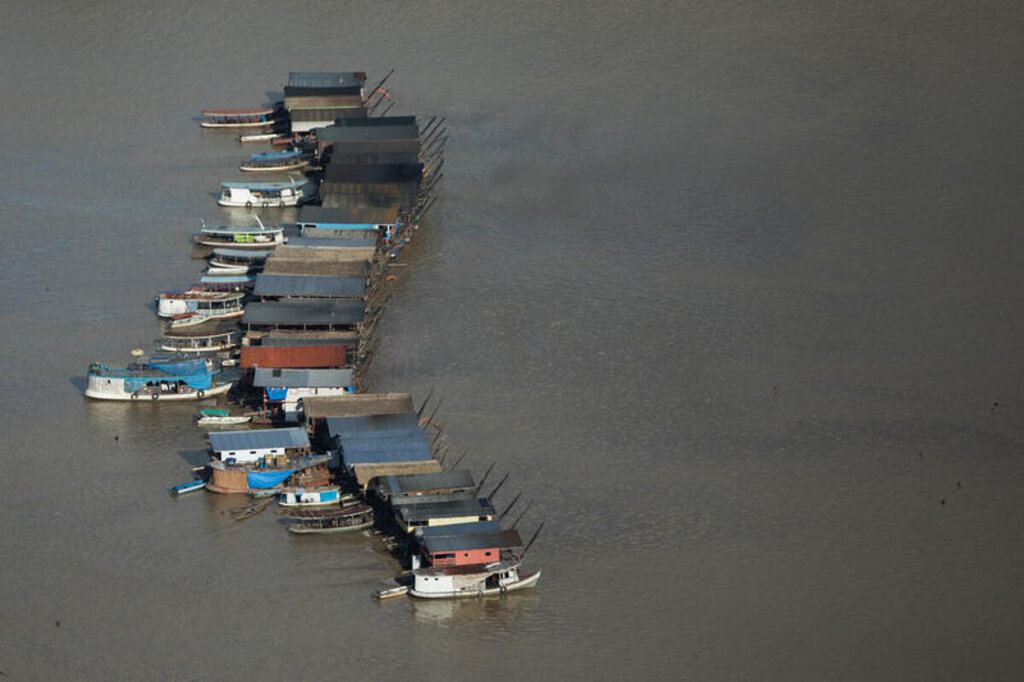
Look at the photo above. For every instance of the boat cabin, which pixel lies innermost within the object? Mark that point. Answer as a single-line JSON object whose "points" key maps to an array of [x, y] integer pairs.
{"points": [[423, 485], [246, 237], [201, 338], [465, 550], [265, 194], [211, 305], [283, 388]]}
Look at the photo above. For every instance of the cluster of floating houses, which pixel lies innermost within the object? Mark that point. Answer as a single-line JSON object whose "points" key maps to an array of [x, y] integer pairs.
{"points": [[280, 326]]}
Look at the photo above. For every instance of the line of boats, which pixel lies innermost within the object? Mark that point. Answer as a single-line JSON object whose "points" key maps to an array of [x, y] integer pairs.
{"points": [[293, 308]]}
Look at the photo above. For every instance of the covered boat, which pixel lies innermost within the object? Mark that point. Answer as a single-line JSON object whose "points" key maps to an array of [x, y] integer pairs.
{"points": [[331, 521], [156, 379], [201, 338], [248, 259], [247, 237], [312, 497], [200, 302], [275, 161], [237, 118], [481, 580], [264, 194]]}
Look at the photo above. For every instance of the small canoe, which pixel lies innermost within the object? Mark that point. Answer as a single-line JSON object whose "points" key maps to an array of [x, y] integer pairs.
{"points": [[184, 488], [389, 592]]}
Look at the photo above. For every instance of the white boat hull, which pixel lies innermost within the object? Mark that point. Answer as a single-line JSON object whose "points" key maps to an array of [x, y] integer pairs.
{"points": [[144, 397], [523, 583]]}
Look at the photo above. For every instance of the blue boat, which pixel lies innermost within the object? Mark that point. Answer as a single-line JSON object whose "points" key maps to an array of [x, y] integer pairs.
{"points": [[190, 487]]}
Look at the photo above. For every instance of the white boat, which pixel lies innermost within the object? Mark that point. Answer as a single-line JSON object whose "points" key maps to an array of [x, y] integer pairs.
{"points": [[275, 161], [157, 379], [265, 194], [219, 418], [200, 338], [199, 304], [257, 137], [248, 259], [311, 497], [457, 582], [247, 237]]}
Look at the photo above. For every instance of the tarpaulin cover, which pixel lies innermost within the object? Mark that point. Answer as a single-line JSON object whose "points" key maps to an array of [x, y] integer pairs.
{"points": [[269, 479], [276, 393], [180, 366]]}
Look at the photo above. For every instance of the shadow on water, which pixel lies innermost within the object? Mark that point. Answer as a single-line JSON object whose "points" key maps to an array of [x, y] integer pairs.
{"points": [[194, 458], [79, 382]]}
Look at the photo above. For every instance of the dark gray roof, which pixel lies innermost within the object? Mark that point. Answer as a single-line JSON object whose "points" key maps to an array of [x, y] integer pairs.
{"points": [[374, 172], [406, 500], [325, 79], [310, 313], [419, 452], [323, 286], [301, 378], [326, 215], [440, 510], [377, 121], [342, 426], [472, 528], [258, 440], [357, 133], [458, 479], [504, 539], [335, 151], [292, 341]]}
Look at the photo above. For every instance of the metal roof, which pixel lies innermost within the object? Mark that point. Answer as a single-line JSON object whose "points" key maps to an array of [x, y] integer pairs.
{"points": [[440, 510], [357, 133], [326, 215], [295, 356], [340, 426], [311, 313], [373, 172], [418, 453], [377, 121], [242, 253], [504, 539], [339, 243], [406, 500], [291, 184], [299, 341], [301, 378], [325, 79], [309, 285], [472, 528], [221, 441], [414, 483]]}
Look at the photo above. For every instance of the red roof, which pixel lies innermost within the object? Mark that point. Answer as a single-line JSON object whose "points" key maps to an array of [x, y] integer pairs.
{"points": [[307, 357]]}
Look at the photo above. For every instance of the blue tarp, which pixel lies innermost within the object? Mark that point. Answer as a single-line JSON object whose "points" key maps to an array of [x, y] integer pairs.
{"points": [[269, 479], [277, 393], [180, 366]]}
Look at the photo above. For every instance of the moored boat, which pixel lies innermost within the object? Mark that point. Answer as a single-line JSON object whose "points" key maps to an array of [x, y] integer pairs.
{"points": [[331, 521], [274, 161], [220, 418], [457, 582], [201, 338], [200, 303], [156, 379], [311, 497], [185, 488], [237, 118], [266, 194], [247, 237], [248, 259]]}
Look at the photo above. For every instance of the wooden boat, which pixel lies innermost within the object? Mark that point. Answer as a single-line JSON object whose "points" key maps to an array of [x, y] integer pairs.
{"points": [[390, 592], [457, 582], [266, 194], [185, 488], [199, 304], [248, 237], [200, 338], [257, 137], [157, 379], [251, 509], [237, 118], [274, 161], [220, 418], [331, 521], [249, 259]]}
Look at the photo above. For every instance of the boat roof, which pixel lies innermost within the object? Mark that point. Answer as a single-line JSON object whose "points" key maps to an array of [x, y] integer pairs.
{"points": [[502, 539], [406, 500], [226, 279], [263, 156], [273, 377], [472, 528], [480, 506], [379, 423], [243, 254], [325, 286], [295, 437], [241, 229], [290, 184], [211, 328], [414, 483], [361, 133], [202, 295], [305, 312], [357, 215], [300, 341], [295, 356], [325, 79]]}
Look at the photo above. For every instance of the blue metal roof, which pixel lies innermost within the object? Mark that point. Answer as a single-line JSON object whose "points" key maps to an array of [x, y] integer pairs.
{"points": [[304, 312], [221, 441], [266, 185]]}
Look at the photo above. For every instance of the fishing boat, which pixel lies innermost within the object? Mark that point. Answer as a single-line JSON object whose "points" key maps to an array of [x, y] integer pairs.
{"points": [[220, 418], [257, 137], [331, 521], [312, 497], [199, 304], [274, 161], [237, 118], [156, 379], [204, 337], [265, 194], [185, 488], [391, 591], [248, 237], [481, 580]]}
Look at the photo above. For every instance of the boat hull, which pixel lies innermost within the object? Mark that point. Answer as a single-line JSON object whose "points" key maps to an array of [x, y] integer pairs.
{"points": [[248, 168], [299, 529], [523, 583], [141, 397]]}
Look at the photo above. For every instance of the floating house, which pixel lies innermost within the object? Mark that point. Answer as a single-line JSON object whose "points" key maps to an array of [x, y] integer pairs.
{"points": [[341, 222], [465, 550], [380, 445], [393, 488], [283, 388], [316, 99], [275, 161], [244, 461], [413, 516], [275, 286], [304, 314]]}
